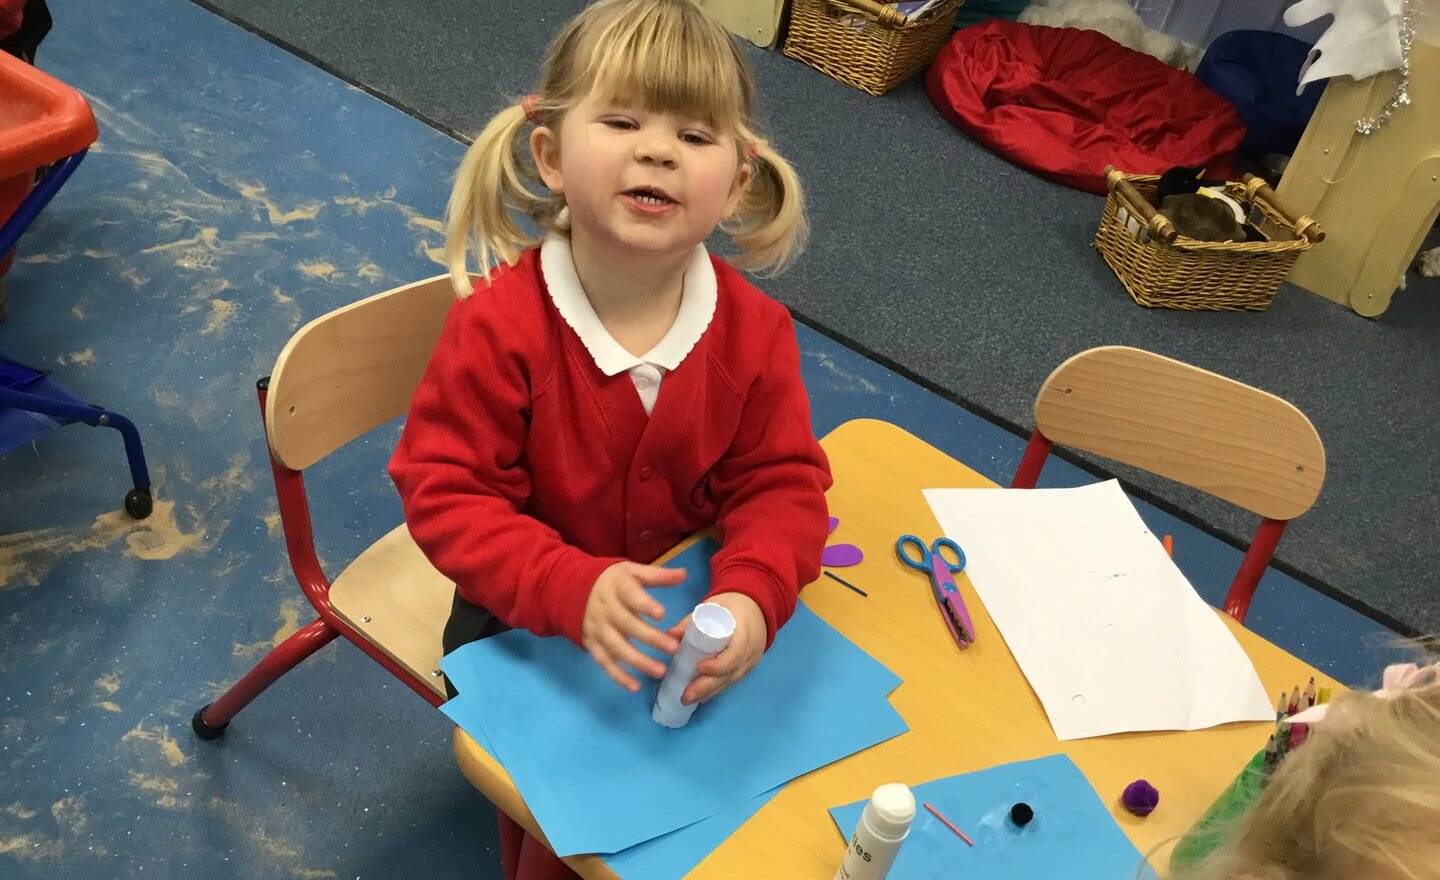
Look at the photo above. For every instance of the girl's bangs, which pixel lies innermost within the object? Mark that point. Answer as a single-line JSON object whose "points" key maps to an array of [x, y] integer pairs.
{"points": [[668, 64]]}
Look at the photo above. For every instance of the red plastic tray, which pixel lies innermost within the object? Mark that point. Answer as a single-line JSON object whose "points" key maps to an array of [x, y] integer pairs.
{"points": [[42, 120]]}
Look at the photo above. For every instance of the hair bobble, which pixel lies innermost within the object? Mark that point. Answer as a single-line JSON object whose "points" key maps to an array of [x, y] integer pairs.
{"points": [[752, 150], [531, 105]]}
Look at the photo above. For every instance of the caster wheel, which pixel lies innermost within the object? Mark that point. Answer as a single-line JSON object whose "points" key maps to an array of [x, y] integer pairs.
{"points": [[203, 730], [138, 503]]}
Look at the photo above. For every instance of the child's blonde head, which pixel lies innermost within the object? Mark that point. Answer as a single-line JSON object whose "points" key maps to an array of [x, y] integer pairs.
{"points": [[1360, 800], [665, 56]]}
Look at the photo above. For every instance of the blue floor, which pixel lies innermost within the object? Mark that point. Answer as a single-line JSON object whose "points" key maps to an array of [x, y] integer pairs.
{"points": [[237, 192]]}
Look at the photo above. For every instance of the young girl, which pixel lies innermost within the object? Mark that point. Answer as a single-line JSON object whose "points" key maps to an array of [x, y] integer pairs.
{"points": [[1359, 801], [595, 399]]}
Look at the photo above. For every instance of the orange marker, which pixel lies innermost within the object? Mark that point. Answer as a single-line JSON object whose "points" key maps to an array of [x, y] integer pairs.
{"points": [[1169, 542]]}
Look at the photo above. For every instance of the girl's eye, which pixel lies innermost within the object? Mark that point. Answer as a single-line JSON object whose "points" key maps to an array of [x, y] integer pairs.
{"points": [[620, 124], [695, 138]]}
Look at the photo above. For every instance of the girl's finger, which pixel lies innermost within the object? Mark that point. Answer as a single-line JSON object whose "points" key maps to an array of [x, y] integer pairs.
{"points": [[658, 576], [678, 630], [634, 598], [612, 669], [621, 649], [722, 665], [643, 632], [700, 690]]}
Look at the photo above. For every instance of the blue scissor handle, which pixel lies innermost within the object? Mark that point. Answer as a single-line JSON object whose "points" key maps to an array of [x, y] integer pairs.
{"points": [[922, 562]]}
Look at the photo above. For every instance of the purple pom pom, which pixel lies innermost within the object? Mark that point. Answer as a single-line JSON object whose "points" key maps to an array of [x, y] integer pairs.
{"points": [[1141, 798]]}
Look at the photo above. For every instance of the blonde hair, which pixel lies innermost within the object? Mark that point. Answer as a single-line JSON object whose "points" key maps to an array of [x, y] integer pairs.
{"points": [[1360, 799], [666, 56]]}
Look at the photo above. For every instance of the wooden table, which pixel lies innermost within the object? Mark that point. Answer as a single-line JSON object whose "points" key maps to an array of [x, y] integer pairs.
{"points": [[966, 711]]}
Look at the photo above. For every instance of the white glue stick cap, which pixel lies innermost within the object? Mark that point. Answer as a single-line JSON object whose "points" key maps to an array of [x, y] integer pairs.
{"points": [[713, 626], [891, 810]]}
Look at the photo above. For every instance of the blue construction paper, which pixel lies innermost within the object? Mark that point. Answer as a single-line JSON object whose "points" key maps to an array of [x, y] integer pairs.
{"points": [[465, 718], [601, 776], [673, 855], [664, 858], [1072, 835]]}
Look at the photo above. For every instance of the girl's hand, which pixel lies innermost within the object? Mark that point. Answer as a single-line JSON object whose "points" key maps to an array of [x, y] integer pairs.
{"points": [[739, 657], [614, 614]]}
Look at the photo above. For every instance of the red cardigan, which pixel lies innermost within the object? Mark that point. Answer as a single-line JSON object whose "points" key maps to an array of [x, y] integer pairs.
{"points": [[525, 471]]}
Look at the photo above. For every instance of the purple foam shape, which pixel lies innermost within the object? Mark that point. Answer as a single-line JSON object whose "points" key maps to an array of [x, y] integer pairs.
{"points": [[841, 555]]}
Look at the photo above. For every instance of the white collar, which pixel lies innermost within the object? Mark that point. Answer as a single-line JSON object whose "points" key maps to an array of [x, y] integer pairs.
{"points": [[697, 307]]}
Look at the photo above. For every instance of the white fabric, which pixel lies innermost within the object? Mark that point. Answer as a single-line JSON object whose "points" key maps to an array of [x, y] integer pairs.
{"points": [[697, 307], [1116, 19], [1362, 40]]}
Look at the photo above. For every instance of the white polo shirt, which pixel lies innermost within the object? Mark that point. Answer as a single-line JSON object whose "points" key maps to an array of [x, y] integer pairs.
{"points": [[697, 307]]}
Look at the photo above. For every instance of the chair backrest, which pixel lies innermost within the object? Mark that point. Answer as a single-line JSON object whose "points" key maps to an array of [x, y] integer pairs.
{"points": [[1191, 425], [352, 370]]}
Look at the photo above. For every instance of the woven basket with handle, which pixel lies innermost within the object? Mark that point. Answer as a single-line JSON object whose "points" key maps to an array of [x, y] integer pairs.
{"points": [[864, 43], [1161, 268]]}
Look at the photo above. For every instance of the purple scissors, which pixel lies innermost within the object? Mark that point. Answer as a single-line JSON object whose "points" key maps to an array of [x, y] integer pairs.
{"points": [[942, 581]]}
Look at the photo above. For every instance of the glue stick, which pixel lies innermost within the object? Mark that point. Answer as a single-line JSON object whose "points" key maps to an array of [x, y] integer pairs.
{"points": [[884, 825], [710, 629]]}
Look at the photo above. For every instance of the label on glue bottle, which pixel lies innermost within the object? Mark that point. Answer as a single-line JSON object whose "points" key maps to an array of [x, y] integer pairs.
{"points": [[884, 825]]}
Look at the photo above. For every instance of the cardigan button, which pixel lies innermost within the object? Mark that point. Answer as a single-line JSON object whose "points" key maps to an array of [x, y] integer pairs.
{"points": [[646, 473], [646, 536]]}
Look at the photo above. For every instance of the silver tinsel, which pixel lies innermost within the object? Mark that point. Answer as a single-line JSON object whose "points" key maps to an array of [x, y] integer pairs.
{"points": [[1401, 98]]}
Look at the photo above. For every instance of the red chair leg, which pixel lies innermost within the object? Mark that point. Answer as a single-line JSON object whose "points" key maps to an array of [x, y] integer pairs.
{"points": [[512, 836], [537, 862], [210, 721], [1242, 589], [1032, 462]]}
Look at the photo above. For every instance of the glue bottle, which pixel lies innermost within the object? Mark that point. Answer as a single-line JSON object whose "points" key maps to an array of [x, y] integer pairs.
{"points": [[710, 630], [884, 825]]}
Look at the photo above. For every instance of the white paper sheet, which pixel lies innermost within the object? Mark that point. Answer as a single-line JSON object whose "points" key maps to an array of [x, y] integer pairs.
{"points": [[1106, 628]]}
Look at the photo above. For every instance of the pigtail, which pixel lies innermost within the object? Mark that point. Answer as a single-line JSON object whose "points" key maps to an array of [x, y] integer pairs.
{"points": [[769, 225], [494, 180]]}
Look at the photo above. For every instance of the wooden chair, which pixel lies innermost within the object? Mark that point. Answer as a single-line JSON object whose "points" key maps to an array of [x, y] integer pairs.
{"points": [[340, 376], [1192, 426]]}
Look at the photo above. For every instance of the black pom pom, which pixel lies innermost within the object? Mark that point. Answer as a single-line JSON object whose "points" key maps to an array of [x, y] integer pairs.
{"points": [[1021, 814]]}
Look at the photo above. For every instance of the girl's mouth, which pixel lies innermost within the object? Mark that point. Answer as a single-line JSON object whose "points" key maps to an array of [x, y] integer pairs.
{"points": [[648, 196]]}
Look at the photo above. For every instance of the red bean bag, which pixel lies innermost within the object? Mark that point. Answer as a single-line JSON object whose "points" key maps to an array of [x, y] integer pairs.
{"points": [[1065, 103]]}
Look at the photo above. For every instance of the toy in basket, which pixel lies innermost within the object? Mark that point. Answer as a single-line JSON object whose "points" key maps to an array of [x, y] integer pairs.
{"points": [[1161, 268], [870, 45]]}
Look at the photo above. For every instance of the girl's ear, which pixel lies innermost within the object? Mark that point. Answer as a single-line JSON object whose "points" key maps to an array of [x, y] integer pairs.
{"points": [[737, 192], [545, 148]]}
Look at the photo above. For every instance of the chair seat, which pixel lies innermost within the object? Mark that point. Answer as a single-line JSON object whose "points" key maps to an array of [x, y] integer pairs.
{"points": [[395, 598]]}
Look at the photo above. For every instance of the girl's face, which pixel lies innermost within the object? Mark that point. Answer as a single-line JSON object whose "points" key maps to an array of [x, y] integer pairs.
{"points": [[640, 182]]}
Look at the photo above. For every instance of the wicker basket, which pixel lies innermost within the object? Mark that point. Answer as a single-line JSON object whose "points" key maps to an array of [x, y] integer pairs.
{"points": [[864, 43], [1163, 269]]}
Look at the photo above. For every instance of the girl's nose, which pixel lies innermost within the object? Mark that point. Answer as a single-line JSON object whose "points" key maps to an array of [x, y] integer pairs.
{"points": [[655, 149]]}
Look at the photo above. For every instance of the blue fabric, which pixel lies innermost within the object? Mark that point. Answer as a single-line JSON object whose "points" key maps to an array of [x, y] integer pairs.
{"points": [[1258, 71]]}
